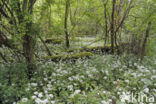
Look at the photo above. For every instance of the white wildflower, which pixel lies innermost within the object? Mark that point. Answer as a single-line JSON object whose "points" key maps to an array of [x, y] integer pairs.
{"points": [[110, 100], [45, 79], [45, 101], [118, 93], [114, 82], [27, 89], [125, 97], [127, 81], [51, 95], [146, 90], [104, 102], [70, 87], [33, 97], [24, 99], [34, 84], [153, 77], [104, 92], [135, 64], [105, 77], [77, 91], [134, 74], [40, 95], [49, 85], [52, 102], [36, 93], [107, 73], [70, 78], [45, 91], [38, 101]]}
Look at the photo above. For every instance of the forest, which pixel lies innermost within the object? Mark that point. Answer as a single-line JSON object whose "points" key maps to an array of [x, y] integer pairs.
{"points": [[77, 51]]}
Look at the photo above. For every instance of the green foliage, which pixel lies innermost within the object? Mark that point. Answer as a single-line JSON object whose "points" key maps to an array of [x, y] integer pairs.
{"points": [[13, 80], [151, 47]]}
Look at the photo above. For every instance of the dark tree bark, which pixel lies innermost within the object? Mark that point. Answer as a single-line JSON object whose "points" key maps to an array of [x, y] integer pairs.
{"points": [[112, 25], [66, 23], [28, 49], [145, 40]]}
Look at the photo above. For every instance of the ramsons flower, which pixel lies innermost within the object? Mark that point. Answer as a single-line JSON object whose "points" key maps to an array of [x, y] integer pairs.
{"points": [[24, 99], [40, 95], [34, 84], [104, 102]]}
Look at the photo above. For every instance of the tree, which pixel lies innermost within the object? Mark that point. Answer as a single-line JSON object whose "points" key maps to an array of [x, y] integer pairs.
{"points": [[66, 23], [112, 25], [19, 14], [106, 22], [145, 40]]}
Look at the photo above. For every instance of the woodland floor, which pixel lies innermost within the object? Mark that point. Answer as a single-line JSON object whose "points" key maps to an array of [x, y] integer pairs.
{"points": [[101, 79]]}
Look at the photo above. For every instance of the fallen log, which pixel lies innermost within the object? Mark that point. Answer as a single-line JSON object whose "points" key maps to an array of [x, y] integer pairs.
{"points": [[53, 41], [97, 49], [66, 57], [94, 50]]}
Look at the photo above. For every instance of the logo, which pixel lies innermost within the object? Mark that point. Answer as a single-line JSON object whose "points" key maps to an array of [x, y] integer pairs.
{"points": [[135, 98]]}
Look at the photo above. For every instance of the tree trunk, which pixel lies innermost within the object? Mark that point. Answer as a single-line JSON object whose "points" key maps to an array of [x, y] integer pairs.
{"points": [[112, 26], [28, 49], [29, 42], [48, 50], [145, 40], [50, 22], [66, 23], [106, 27]]}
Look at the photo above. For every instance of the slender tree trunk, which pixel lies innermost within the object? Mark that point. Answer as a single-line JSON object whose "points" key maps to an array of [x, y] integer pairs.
{"points": [[66, 23], [48, 50], [106, 27], [112, 26], [50, 11], [145, 40]]}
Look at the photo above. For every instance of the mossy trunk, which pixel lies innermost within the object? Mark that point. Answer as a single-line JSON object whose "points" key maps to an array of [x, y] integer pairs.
{"points": [[29, 39], [28, 49]]}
